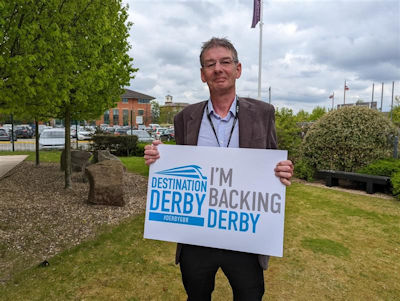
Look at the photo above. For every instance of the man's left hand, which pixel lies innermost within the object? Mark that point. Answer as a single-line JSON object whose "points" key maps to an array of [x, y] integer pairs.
{"points": [[284, 171]]}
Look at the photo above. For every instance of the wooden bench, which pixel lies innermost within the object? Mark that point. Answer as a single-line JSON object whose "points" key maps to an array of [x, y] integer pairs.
{"points": [[332, 179]]}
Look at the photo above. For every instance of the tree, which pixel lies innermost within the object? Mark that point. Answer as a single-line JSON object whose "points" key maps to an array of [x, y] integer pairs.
{"points": [[348, 139], [27, 83], [302, 116], [317, 113], [167, 114], [69, 57], [288, 132], [396, 111], [155, 111]]}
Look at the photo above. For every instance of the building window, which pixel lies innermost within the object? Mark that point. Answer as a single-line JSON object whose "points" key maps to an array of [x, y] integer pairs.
{"points": [[143, 100], [140, 112], [125, 117], [124, 100], [115, 116], [107, 117]]}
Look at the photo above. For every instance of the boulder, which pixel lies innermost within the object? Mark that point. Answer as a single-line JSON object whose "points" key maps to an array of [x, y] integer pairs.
{"points": [[106, 183], [79, 160], [102, 155]]}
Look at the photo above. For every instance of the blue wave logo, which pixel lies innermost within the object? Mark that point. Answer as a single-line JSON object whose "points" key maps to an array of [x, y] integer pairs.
{"points": [[188, 171]]}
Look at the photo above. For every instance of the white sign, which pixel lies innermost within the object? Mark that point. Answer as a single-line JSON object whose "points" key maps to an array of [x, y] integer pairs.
{"points": [[227, 198], [139, 119]]}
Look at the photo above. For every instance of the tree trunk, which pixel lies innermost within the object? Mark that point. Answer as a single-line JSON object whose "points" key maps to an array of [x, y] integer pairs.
{"points": [[37, 142], [67, 124]]}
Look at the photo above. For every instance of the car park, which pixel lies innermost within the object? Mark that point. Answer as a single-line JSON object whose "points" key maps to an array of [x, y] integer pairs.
{"points": [[167, 135], [143, 136], [158, 132], [52, 139]]}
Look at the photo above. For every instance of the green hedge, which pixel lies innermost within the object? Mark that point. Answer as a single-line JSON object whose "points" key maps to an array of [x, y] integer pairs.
{"points": [[304, 170], [386, 167], [124, 145], [395, 179]]}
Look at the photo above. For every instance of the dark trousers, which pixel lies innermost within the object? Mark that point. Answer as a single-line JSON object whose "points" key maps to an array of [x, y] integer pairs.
{"points": [[200, 264]]}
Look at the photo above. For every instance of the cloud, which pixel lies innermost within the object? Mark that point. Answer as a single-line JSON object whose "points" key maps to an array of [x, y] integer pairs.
{"points": [[309, 48]]}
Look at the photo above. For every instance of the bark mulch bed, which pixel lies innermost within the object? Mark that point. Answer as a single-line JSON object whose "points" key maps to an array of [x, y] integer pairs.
{"points": [[39, 218]]}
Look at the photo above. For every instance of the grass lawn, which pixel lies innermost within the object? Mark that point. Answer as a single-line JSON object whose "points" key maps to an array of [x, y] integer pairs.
{"points": [[44, 156], [132, 164], [338, 246]]}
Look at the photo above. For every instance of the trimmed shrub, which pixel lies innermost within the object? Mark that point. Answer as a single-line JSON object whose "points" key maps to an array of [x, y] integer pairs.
{"points": [[348, 139], [124, 145], [303, 170], [384, 167], [140, 149], [395, 179]]}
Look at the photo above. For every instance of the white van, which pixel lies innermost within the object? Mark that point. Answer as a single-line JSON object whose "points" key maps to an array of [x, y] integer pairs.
{"points": [[52, 139]]}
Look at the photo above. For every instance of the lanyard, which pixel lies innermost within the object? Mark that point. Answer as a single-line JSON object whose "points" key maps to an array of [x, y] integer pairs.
{"points": [[233, 125]]}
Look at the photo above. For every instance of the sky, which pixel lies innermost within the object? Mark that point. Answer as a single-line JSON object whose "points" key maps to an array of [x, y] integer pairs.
{"points": [[309, 48]]}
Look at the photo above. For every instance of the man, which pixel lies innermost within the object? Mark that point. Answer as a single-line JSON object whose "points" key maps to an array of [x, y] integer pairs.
{"points": [[225, 120]]}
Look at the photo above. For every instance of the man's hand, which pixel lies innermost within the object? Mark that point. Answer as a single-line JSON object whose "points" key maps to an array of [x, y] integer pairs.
{"points": [[151, 153], [284, 171]]}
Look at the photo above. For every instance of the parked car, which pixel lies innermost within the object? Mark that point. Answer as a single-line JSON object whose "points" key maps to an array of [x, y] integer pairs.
{"points": [[167, 135], [142, 135], [23, 131], [109, 130], [42, 127], [52, 139], [84, 134], [154, 126], [4, 135], [158, 132], [120, 131]]}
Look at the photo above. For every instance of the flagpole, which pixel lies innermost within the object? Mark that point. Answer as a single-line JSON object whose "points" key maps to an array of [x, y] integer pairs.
{"points": [[260, 50], [333, 100], [269, 95], [373, 86], [391, 108], [344, 93]]}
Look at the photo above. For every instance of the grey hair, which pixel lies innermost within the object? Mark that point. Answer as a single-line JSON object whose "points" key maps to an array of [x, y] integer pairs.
{"points": [[218, 42]]}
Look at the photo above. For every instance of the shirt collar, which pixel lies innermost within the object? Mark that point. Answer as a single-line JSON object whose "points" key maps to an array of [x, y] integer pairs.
{"points": [[232, 109]]}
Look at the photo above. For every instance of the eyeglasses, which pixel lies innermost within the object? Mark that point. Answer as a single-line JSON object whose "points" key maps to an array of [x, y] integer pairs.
{"points": [[225, 63]]}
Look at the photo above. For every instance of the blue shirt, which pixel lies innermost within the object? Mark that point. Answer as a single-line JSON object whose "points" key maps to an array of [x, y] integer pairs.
{"points": [[223, 127]]}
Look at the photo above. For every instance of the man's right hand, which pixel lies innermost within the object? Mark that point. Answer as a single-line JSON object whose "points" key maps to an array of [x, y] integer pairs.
{"points": [[151, 153]]}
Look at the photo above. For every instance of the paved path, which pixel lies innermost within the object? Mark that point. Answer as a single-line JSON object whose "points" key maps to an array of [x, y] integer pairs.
{"points": [[9, 162]]}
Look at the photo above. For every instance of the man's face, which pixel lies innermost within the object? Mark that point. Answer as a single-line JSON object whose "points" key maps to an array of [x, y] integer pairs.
{"points": [[220, 71]]}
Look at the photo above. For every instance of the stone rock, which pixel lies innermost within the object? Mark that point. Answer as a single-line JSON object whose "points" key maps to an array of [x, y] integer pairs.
{"points": [[102, 155], [106, 183], [79, 160]]}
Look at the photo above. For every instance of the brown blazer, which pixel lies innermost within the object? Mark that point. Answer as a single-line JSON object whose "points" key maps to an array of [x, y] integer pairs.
{"points": [[256, 130]]}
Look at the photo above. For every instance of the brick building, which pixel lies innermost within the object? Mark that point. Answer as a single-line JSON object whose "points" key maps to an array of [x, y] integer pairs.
{"points": [[133, 106]]}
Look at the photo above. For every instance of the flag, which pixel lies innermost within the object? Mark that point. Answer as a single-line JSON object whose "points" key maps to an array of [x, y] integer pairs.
{"points": [[331, 96], [346, 87], [256, 13]]}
